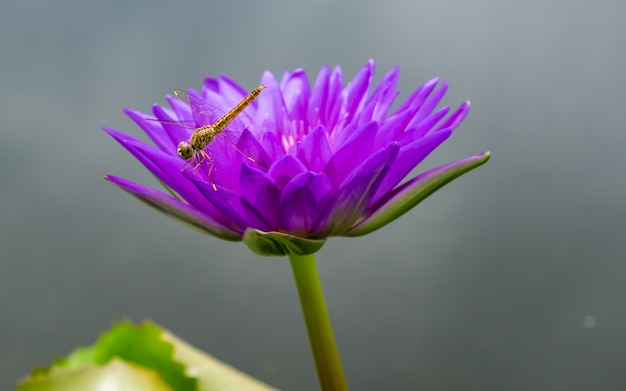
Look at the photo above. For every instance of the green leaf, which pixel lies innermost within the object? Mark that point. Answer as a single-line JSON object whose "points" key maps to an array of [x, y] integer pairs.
{"points": [[212, 374], [116, 375], [280, 244], [413, 192], [139, 357]]}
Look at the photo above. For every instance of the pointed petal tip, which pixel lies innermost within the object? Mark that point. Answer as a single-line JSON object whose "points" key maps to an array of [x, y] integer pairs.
{"points": [[431, 82], [177, 209], [116, 180], [469, 162], [122, 183], [267, 74], [137, 115], [485, 155], [405, 197], [118, 136]]}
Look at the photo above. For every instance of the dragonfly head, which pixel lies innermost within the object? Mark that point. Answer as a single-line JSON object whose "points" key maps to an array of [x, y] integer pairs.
{"points": [[184, 150]]}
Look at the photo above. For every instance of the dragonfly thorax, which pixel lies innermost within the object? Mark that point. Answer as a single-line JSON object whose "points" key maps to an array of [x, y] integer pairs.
{"points": [[184, 150]]}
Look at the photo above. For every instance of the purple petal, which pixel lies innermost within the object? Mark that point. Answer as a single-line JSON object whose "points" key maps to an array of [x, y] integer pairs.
{"points": [[232, 93], [408, 158], [385, 94], [338, 137], [455, 119], [250, 147], [175, 132], [319, 96], [166, 168], [216, 106], [429, 105], [366, 113], [357, 90], [223, 165], [405, 197], [234, 206], [224, 93], [146, 154], [422, 128], [177, 209], [180, 110], [284, 78], [357, 191], [227, 154], [286, 168], [391, 128], [272, 146], [314, 150], [302, 201], [310, 160], [351, 154], [296, 94], [467, 164], [260, 190], [210, 84], [333, 102], [163, 140], [415, 100], [295, 91], [271, 110]]}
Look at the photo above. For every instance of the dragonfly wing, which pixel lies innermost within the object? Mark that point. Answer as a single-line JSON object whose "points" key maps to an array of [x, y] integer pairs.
{"points": [[247, 145], [187, 124], [203, 113], [188, 169]]}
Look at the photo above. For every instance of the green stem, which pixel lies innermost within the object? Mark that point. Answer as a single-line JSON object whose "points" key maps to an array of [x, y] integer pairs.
{"points": [[325, 353]]}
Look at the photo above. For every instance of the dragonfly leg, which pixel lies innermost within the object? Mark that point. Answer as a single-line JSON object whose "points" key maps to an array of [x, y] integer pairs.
{"points": [[211, 163]]}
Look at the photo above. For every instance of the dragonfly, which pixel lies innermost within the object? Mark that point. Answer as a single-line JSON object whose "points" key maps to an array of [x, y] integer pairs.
{"points": [[206, 129]]}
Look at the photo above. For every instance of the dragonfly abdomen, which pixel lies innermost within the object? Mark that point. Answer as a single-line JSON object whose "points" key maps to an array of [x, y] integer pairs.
{"points": [[221, 123]]}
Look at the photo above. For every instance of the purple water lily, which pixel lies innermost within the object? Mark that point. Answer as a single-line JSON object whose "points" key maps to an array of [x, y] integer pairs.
{"points": [[329, 160]]}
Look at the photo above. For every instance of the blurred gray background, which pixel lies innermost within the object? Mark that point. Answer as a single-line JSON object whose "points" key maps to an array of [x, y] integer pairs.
{"points": [[510, 278]]}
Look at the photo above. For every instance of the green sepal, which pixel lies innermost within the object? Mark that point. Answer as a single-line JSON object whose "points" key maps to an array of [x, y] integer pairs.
{"points": [[280, 244], [413, 192]]}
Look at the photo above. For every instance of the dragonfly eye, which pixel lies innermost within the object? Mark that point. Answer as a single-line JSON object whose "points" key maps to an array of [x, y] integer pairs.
{"points": [[184, 150]]}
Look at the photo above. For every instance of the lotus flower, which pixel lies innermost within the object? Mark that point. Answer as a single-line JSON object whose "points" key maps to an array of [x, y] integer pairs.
{"points": [[307, 162]]}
